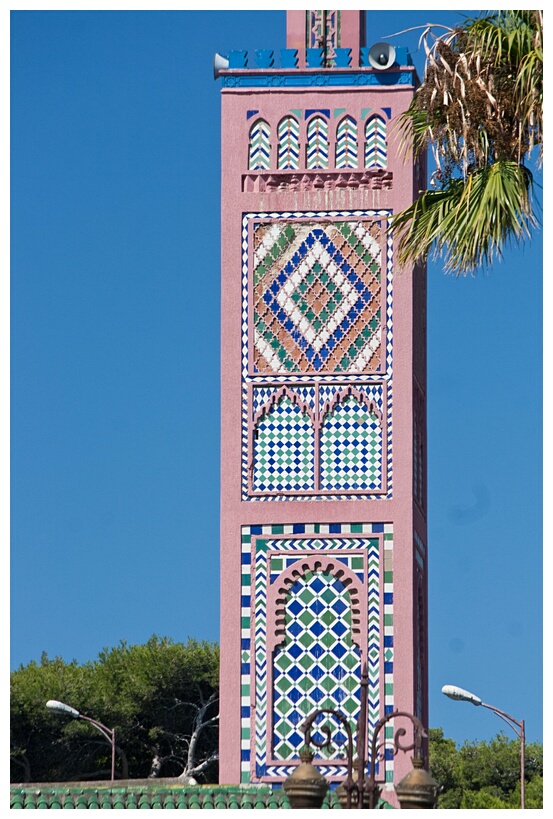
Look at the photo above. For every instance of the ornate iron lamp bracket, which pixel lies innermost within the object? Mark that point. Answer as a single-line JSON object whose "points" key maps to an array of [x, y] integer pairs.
{"points": [[364, 790]]}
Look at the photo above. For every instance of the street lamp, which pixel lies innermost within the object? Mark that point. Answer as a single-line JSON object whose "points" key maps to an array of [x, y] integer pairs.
{"points": [[109, 733], [456, 693]]}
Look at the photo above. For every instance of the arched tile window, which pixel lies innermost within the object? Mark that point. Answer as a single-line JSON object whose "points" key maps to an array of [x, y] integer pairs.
{"points": [[346, 143], [317, 143], [288, 144], [351, 447], [376, 149], [318, 665], [283, 448], [259, 146]]}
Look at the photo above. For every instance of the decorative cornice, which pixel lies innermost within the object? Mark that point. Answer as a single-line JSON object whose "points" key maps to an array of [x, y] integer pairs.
{"points": [[376, 180], [330, 78]]}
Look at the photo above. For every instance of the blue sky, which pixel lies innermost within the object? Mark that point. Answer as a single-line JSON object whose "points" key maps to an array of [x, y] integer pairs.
{"points": [[115, 398]]}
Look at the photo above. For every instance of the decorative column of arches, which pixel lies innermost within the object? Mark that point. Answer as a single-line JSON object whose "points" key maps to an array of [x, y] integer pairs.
{"points": [[374, 149]]}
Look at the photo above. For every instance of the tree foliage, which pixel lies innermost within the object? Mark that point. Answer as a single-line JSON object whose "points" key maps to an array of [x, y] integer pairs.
{"points": [[480, 110], [481, 775], [161, 698]]}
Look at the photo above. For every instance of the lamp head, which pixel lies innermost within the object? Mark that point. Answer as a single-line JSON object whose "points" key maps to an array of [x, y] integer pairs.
{"points": [[455, 693], [61, 708]]}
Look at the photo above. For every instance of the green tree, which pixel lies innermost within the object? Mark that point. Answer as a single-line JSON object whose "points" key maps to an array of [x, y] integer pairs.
{"points": [[38, 740], [485, 775], [479, 109], [161, 698]]}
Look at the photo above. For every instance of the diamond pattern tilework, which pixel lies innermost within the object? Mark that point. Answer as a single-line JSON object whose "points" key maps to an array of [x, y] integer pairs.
{"points": [[317, 297], [284, 450], [351, 448], [294, 379], [284, 543], [286, 446], [318, 666]]}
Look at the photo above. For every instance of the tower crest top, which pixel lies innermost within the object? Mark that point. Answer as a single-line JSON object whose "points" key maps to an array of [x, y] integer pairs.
{"points": [[327, 30]]}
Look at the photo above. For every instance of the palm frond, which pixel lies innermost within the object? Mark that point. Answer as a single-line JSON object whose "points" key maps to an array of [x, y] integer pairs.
{"points": [[480, 111], [469, 221]]}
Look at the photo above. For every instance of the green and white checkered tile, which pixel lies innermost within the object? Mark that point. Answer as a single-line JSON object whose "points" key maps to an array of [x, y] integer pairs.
{"points": [[318, 666], [351, 448], [284, 450]]}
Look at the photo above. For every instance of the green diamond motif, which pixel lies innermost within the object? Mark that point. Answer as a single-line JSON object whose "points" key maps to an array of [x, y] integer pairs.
{"points": [[319, 682], [306, 662]]}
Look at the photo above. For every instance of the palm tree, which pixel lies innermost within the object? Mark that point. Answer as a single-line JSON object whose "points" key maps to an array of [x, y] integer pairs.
{"points": [[479, 109]]}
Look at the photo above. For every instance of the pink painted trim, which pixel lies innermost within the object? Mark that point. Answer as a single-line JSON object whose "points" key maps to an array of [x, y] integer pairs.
{"points": [[288, 392], [343, 395], [278, 591], [296, 29]]}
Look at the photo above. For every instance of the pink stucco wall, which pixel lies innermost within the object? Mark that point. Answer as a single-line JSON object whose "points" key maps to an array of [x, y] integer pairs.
{"points": [[401, 510]]}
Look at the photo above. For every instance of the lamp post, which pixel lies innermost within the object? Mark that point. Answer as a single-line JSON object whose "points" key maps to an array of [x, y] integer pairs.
{"points": [[416, 790], [109, 733], [455, 693]]}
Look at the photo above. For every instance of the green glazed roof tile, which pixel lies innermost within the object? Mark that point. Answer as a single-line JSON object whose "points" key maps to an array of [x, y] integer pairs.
{"points": [[147, 795]]}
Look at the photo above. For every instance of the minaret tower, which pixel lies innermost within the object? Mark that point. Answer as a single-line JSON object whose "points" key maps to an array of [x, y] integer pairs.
{"points": [[323, 492]]}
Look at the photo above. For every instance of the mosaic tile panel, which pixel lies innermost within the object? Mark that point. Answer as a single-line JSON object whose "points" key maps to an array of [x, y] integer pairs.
{"points": [[376, 149], [260, 148], [319, 665], [294, 431], [317, 144], [259, 385], [351, 448], [317, 297], [284, 449], [346, 143], [324, 28], [289, 144], [250, 220], [267, 551]]}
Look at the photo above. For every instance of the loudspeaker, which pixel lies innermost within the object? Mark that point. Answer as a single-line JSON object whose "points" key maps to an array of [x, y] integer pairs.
{"points": [[382, 55], [220, 63]]}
